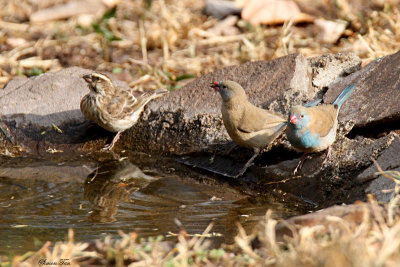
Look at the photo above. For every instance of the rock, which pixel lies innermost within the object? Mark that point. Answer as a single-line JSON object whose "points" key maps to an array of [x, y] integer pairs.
{"points": [[221, 8], [327, 68], [46, 170], [388, 160], [189, 119], [32, 110], [350, 215], [185, 121], [382, 187], [315, 183], [377, 95], [50, 98]]}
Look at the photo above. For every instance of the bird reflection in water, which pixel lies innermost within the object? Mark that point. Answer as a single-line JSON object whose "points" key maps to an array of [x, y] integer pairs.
{"points": [[111, 184]]}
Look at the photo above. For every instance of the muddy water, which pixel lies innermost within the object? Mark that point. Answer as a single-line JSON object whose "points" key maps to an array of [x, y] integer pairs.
{"points": [[41, 199]]}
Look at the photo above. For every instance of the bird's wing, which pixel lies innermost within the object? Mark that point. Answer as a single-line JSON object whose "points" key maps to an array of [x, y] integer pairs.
{"points": [[121, 104], [322, 119], [256, 119]]}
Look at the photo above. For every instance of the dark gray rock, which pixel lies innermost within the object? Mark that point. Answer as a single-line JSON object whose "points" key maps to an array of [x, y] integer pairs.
{"points": [[388, 160], [315, 183], [377, 95], [382, 187]]}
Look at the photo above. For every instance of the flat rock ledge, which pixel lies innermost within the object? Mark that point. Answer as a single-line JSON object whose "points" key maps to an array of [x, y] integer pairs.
{"points": [[41, 114]]}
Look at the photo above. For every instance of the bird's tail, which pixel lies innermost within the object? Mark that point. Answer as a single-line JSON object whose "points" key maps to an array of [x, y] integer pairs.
{"points": [[343, 95]]}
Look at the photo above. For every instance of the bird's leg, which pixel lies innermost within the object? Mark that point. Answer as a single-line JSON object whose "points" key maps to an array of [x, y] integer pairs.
{"points": [[247, 165], [114, 141], [328, 154], [300, 164]]}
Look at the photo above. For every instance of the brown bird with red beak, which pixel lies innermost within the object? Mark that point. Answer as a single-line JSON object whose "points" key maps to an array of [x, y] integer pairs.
{"points": [[247, 125], [113, 108]]}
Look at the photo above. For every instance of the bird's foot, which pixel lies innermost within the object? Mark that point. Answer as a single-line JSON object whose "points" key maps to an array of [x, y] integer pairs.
{"points": [[114, 141], [243, 170], [108, 147], [300, 164], [328, 154], [247, 165], [298, 167]]}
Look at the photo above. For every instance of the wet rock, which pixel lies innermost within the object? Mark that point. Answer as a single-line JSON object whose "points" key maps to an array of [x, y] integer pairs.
{"points": [[315, 183], [45, 170], [376, 98]]}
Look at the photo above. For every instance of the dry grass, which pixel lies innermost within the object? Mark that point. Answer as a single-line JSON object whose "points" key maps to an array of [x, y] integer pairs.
{"points": [[374, 242], [172, 38]]}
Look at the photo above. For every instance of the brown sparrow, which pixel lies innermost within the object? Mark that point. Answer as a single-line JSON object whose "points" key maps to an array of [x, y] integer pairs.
{"points": [[248, 126], [114, 108]]}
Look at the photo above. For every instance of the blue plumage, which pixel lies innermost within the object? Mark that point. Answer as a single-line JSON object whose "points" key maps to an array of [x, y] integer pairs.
{"points": [[312, 128], [339, 100]]}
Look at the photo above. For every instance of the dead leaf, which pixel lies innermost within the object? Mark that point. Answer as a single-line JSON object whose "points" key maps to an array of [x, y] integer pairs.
{"points": [[272, 12], [70, 9], [329, 31]]}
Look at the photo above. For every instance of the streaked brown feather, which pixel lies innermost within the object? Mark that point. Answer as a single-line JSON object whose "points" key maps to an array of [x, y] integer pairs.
{"points": [[116, 109]]}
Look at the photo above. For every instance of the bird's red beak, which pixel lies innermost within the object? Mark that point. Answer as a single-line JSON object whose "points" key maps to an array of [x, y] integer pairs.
{"points": [[215, 86], [293, 119]]}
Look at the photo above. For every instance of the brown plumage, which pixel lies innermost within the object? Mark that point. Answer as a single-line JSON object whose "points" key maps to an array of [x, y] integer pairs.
{"points": [[313, 128], [113, 108], [247, 125]]}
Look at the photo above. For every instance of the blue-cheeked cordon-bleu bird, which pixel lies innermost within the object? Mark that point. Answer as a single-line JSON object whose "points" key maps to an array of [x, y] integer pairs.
{"points": [[313, 128]]}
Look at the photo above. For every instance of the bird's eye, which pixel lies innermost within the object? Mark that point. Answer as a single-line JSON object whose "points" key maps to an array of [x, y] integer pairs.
{"points": [[302, 116]]}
